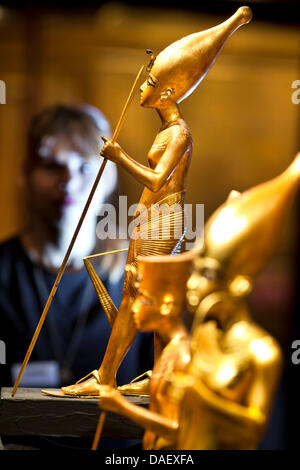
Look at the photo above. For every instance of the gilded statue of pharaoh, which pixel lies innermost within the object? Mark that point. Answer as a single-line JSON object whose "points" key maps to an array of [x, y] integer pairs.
{"points": [[213, 389], [174, 74]]}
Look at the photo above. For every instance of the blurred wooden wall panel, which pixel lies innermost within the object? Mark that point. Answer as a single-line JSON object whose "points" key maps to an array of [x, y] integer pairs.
{"points": [[244, 125]]}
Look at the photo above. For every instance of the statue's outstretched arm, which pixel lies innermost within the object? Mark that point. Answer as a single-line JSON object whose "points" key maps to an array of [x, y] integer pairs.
{"points": [[249, 416], [112, 400], [254, 414], [153, 179]]}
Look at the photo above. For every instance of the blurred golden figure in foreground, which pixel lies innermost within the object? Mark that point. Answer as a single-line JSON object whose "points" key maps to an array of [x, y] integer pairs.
{"points": [[235, 366], [174, 74], [158, 306], [215, 389]]}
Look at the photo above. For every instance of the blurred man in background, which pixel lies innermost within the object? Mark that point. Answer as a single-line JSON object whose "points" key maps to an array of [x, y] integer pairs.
{"points": [[61, 164]]}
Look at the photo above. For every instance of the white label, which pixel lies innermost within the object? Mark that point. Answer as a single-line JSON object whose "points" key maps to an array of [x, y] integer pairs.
{"points": [[38, 374]]}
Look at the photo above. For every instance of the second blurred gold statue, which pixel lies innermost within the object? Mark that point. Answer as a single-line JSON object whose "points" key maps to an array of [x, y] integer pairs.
{"points": [[235, 366], [213, 390]]}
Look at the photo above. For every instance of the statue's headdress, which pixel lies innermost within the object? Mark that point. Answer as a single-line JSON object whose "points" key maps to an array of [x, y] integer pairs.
{"points": [[161, 275], [183, 64]]}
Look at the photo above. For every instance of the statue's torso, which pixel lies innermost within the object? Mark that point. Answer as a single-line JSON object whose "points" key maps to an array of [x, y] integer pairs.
{"points": [[226, 360], [225, 363], [158, 232], [174, 358], [177, 180]]}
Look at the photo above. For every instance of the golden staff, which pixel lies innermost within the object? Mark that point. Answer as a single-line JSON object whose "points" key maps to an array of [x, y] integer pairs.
{"points": [[98, 432], [65, 260]]}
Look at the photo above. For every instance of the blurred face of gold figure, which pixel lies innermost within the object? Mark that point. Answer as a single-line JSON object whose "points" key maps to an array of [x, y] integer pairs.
{"points": [[160, 300], [206, 277], [202, 282], [150, 313]]}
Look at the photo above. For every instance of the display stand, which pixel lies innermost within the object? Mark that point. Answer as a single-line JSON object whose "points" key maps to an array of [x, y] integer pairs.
{"points": [[32, 413]]}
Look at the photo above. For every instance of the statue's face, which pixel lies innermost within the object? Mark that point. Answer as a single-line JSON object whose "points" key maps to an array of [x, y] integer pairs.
{"points": [[145, 309], [150, 92], [199, 285], [150, 311]]}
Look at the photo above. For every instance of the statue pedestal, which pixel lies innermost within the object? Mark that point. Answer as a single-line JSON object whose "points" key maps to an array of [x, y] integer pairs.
{"points": [[32, 413]]}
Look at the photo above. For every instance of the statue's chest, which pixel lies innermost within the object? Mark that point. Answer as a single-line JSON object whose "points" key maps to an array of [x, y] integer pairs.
{"points": [[228, 371], [159, 147], [161, 380]]}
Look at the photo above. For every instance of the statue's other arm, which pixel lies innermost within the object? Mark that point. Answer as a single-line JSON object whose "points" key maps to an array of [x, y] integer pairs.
{"points": [[111, 400], [254, 414]]}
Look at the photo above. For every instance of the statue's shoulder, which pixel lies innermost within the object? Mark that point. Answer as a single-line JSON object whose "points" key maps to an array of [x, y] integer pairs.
{"points": [[183, 129], [183, 355]]}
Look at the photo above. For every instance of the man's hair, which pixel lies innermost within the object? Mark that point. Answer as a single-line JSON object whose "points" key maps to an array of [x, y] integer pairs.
{"points": [[81, 126]]}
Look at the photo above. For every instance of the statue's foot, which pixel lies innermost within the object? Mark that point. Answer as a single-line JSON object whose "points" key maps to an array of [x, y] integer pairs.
{"points": [[137, 387], [85, 388]]}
